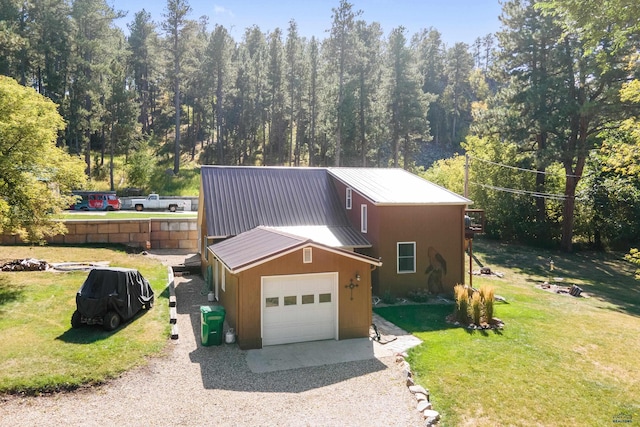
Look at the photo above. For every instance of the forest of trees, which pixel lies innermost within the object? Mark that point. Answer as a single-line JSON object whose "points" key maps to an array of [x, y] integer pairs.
{"points": [[354, 98], [545, 108]]}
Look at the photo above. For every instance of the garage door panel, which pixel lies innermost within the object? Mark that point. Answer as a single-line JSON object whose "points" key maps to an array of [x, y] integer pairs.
{"points": [[288, 333], [311, 311]]}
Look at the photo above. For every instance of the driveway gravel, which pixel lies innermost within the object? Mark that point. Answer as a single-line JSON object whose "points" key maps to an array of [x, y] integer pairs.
{"points": [[192, 385]]}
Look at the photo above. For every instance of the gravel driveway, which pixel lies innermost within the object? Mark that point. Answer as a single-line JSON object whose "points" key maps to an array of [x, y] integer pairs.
{"points": [[194, 385]]}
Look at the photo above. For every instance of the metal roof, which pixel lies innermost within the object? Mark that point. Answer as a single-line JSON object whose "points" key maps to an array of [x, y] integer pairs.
{"points": [[254, 245], [262, 244], [241, 198], [396, 186], [334, 237]]}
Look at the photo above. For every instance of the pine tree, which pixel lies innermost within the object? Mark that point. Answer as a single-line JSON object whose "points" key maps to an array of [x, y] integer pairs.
{"points": [[174, 25]]}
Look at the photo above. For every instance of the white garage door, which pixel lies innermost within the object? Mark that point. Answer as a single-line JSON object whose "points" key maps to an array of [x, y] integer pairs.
{"points": [[299, 308]]}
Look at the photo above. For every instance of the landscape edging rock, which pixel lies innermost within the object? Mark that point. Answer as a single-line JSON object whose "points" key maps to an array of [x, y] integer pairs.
{"points": [[422, 396]]}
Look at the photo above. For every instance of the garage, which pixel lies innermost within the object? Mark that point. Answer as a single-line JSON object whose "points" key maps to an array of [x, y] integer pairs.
{"points": [[281, 288], [298, 308]]}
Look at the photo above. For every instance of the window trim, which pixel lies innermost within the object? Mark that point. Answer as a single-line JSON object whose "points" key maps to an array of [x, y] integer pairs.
{"points": [[348, 198], [216, 277], [307, 255], [363, 218], [223, 279], [413, 244]]}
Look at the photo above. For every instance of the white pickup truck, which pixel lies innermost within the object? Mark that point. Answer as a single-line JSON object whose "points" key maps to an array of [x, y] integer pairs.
{"points": [[153, 201]]}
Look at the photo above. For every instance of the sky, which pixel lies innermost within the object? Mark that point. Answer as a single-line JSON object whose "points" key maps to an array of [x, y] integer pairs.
{"points": [[456, 20]]}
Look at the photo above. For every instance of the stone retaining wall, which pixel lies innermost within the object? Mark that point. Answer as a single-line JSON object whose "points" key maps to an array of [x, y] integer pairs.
{"points": [[157, 233]]}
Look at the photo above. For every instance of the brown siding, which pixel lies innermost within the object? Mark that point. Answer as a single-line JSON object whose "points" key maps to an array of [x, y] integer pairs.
{"points": [[438, 227], [354, 316], [434, 229]]}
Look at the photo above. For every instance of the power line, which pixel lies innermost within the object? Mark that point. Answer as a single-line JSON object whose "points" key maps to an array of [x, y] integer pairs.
{"points": [[519, 169], [552, 196]]}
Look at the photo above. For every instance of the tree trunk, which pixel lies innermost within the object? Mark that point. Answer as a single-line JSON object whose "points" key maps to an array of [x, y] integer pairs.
{"points": [[111, 149], [566, 243], [339, 115], [541, 205], [176, 152], [363, 134], [573, 177], [176, 102], [396, 150]]}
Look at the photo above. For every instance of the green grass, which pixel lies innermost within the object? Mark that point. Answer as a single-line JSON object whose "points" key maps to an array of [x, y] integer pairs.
{"points": [[162, 181], [560, 361], [40, 352], [126, 215], [186, 183]]}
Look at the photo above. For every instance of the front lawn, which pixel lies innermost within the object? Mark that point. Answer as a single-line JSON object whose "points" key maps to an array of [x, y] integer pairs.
{"points": [[560, 360], [40, 352]]}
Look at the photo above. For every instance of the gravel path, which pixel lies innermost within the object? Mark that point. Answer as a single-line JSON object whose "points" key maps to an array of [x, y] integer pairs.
{"points": [[194, 385]]}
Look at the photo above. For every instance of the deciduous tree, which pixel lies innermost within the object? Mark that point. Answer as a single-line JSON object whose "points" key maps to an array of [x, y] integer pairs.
{"points": [[569, 92], [36, 177]]}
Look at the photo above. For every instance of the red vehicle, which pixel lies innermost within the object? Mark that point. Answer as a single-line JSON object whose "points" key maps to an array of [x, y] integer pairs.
{"points": [[96, 201]]}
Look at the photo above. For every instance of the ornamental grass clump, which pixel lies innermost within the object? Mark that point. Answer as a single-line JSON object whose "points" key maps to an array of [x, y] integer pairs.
{"points": [[476, 308], [462, 303], [473, 306], [488, 297]]}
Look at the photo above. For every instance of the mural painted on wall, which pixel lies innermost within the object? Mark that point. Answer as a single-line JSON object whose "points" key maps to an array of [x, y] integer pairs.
{"points": [[436, 271]]}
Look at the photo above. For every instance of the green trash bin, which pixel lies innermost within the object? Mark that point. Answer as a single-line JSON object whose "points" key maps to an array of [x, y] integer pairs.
{"points": [[212, 322]]}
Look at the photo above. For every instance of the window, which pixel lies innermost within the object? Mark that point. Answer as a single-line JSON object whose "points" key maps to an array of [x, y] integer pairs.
{"points": [[324, 298], [306, 255], [308, 299], [216, 275], [271, 302], [349, 199], [223, 278], [406, 257], [292, 300], [363, 218]]}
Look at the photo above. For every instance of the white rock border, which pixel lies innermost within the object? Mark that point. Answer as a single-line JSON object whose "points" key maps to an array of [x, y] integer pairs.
{"points": [[422, 396], [173, 311]]}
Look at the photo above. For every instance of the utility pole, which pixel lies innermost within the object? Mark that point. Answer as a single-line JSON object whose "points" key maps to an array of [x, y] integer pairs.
{"points": [[468, 239], [466, 175]]}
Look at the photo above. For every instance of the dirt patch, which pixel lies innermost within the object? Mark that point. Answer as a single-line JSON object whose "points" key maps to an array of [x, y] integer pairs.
{"points": [[570, 290]]}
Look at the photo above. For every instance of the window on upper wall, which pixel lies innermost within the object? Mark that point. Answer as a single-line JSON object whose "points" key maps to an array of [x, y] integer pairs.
{"points": [[406, 257], [363, 218], [349, 199], [307, 255]]}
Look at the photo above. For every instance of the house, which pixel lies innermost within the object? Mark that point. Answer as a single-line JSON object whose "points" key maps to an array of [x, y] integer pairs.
{"points": [[294, 254], [414, 226]]}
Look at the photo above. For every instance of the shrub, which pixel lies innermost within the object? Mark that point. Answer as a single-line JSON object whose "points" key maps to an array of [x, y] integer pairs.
{"points": [[634, 257], [140, 168], [418, 295], [388, 298]]}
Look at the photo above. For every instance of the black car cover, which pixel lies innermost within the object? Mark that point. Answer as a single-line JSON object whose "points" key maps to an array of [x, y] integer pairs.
{"points": [[122, 290]]}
